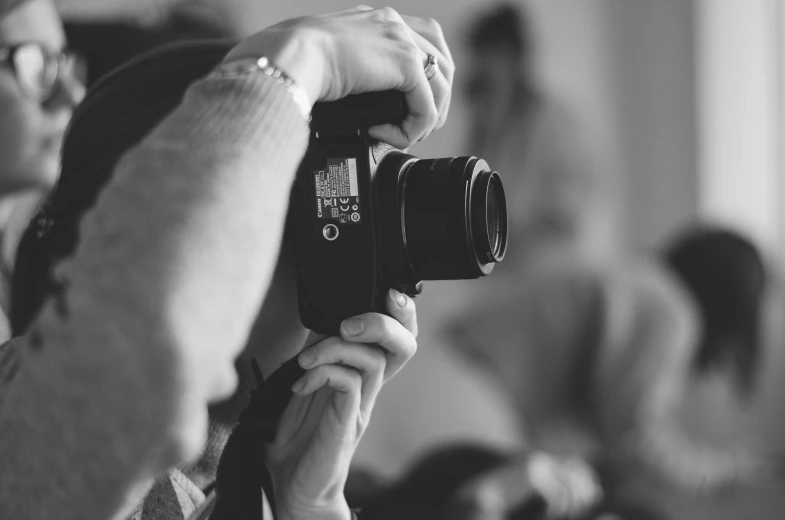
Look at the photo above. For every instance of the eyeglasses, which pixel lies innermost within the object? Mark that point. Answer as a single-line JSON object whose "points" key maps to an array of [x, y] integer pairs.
{"points": [[38, 71]]}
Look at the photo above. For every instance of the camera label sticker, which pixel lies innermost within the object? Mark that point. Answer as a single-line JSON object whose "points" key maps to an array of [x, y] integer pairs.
{"points": [[352, 164], [337, 191]]}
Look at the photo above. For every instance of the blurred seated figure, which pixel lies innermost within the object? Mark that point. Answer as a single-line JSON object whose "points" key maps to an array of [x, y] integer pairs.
{"points": [[103, 45], [722, 455], [667, 377], [592, 354], [727, 280]]}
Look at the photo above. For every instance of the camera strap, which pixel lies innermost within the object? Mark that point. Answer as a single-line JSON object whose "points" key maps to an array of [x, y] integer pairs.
{"points": [[243, 482]]}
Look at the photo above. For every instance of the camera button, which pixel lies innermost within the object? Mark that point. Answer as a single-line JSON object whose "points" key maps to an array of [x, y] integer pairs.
{"points": [[330, 232]]}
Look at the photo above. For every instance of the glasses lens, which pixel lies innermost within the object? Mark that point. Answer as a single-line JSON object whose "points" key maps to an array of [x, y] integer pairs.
{"points": [[36, 71]]}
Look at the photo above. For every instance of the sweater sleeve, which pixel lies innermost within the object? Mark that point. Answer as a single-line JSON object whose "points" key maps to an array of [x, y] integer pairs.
{"points": [[110, 387]]}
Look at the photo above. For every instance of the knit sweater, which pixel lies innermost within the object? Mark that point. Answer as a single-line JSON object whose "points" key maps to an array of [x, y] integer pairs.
{"points": [[109, 390]]}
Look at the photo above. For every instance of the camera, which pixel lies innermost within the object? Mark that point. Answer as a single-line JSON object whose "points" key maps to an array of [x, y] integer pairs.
{"points": [[368, 217]]}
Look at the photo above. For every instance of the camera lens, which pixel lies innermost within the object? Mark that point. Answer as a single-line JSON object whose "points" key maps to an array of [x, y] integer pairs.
{"points": [[489, 217], [454, 218]]}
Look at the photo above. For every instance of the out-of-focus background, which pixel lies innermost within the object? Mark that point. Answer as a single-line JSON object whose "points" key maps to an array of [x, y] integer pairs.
{"points": [[662, 115], [649, 81]]}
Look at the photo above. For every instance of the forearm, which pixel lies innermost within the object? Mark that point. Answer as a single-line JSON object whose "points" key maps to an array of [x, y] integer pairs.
{"points": [[113, 380]]}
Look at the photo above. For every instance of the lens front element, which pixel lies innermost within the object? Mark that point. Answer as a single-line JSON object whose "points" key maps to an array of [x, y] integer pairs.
{"points": [[489, 217]]}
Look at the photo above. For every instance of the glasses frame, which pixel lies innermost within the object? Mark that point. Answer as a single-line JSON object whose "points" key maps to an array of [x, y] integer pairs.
{"points": [[62, 62]]}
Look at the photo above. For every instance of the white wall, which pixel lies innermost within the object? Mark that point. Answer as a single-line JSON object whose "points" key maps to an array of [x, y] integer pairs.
{"points": [[741, 116], [649, 45]]}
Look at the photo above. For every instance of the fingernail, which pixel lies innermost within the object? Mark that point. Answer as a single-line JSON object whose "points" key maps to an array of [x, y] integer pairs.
{"points": [[398, 298], [299, 385], [308, 358], [352, 326]]}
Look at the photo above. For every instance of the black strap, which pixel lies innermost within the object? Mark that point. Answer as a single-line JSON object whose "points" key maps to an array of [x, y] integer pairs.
{"points": [[243, 478]]}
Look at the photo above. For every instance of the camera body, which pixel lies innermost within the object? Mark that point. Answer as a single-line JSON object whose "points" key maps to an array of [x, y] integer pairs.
{"points": [[368, 217]]}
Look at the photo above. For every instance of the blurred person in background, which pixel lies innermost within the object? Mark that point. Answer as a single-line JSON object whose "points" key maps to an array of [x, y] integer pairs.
{"points": [[720, 454], [591, 355], [38, 92], [666, 377], [725, 275], [526, 133], [552, 198]]}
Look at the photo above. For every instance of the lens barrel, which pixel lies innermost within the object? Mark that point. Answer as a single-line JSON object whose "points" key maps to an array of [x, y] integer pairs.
{"points": [[453, 218]]}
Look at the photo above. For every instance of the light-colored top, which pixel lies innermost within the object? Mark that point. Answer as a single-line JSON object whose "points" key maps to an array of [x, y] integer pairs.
{"points": [[588, 351], [98, 401]]}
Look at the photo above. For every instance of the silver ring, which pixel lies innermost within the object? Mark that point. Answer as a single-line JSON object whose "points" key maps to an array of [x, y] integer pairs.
{"points": [[432, 67]]}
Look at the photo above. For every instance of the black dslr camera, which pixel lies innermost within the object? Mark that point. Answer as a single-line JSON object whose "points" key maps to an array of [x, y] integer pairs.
{"points": [[369, 217]]}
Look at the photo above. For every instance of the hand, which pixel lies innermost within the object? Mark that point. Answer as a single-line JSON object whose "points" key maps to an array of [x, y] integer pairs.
{"points": [[363, 50], [568, 486], [319, 431]]}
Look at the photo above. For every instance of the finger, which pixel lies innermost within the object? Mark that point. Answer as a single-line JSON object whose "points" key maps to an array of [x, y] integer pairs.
{"points": [[587, 492], [422, 113], [398, 342], [403, 309], [431, 30], [441, 86], [441, 82], [559, 503], [430, 38], [349, 10], [369, 361], [571, 502], [421, 118], [345, 381], [584, 481]]}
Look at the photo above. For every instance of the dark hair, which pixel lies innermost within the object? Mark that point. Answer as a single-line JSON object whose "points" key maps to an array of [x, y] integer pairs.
{"points": [[726, 276], [115, 115], [504, 26], [103, 46]]}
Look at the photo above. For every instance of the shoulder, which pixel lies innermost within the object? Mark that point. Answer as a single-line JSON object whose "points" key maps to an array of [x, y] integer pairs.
{"points": [[644, 294]]}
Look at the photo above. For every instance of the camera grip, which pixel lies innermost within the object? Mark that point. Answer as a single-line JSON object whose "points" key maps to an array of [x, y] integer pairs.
{"points": [[347, 115]]}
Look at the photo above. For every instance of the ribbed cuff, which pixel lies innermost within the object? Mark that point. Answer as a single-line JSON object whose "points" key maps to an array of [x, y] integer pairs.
{"points": [[247, 113]]}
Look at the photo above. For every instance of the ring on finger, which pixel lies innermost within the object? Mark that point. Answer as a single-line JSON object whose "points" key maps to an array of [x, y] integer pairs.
{"points": [[431, 67]]}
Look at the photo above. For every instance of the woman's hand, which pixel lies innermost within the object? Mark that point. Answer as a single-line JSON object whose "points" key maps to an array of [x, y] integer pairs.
{"points": [[568, 486], [319, 431], [363, 50]]}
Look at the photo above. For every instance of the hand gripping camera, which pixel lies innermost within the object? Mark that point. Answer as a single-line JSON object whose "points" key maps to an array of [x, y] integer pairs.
{"points": [[369, 217]]}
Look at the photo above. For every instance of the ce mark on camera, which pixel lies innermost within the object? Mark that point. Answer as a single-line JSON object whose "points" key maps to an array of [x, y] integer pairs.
{"points": [[346, 203]]}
